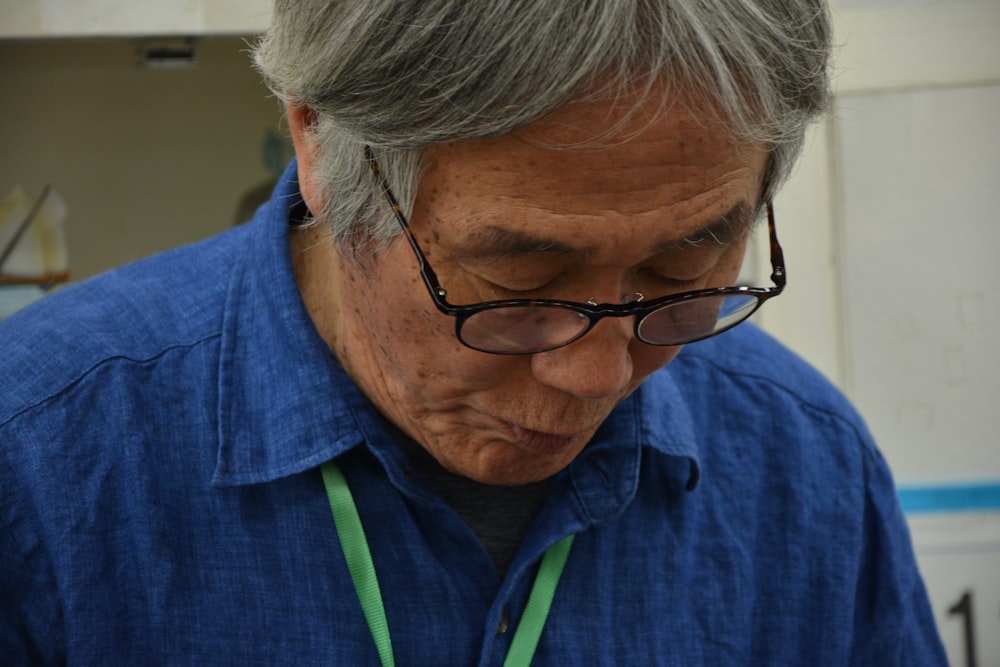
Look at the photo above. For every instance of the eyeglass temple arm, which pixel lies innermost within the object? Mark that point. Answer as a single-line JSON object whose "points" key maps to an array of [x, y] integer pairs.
{"points": [[426, 272], [779, 275]]}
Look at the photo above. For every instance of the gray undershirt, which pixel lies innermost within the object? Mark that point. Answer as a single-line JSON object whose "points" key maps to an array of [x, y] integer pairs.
{"points": [[499, 516]]}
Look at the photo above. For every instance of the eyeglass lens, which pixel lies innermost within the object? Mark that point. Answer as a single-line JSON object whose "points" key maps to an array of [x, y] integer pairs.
{"points": [[694, 319], [515, 329]]}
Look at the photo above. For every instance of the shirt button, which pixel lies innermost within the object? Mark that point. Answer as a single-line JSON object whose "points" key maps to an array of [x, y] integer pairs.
{"points": [[504, 623]]}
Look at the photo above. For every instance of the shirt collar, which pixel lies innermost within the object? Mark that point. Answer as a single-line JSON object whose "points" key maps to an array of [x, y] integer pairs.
{"points": [[667, 426], [286, 405], [655, 420]]}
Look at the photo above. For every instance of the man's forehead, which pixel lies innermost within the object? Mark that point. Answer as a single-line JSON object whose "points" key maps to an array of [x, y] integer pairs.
{"points": [[676, 138], [678, 182]]}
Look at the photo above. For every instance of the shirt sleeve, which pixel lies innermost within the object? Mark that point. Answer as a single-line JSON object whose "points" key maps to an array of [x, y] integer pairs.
{"points": [[30, 620], [893, 621]]}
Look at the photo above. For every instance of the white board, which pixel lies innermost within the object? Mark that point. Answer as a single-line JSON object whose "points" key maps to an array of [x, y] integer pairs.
{"points": [[921, 276], [920, 297]]}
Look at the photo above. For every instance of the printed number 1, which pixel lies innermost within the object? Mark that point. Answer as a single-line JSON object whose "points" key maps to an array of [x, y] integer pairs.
{"points": [[964, 608]]}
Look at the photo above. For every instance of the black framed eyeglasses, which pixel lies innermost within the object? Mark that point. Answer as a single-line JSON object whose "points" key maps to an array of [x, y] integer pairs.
{"points": [[529, 326]]}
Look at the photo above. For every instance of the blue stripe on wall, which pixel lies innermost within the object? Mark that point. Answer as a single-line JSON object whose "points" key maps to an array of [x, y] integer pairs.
{"points": [[951, 498]]}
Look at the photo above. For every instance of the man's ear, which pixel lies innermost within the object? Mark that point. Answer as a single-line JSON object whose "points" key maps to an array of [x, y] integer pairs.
{"points": [[301, 121]]}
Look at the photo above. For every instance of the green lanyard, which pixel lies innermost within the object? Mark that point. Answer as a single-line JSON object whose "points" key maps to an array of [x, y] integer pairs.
{"points": [[359, 563]]}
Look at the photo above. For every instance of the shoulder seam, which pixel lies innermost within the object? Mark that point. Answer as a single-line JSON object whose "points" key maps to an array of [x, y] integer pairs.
{"points": [[106, 360], [802, 400]]}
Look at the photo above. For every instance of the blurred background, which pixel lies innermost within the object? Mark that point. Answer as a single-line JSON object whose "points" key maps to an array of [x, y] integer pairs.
{"points": [[150, 130]]}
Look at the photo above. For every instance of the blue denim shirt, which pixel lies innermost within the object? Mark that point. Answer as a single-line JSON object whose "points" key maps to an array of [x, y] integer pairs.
{"points": [[161, 429]]}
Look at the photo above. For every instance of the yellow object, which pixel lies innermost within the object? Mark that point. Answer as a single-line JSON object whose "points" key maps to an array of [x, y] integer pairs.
{"points": [[32, 252]]}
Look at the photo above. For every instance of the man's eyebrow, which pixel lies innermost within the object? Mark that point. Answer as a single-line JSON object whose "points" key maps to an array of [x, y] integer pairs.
{"points": [[491, 242], [731, 226]]}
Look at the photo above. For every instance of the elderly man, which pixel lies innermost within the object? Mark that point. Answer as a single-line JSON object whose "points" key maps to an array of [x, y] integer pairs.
{"points": [[458, 394]]}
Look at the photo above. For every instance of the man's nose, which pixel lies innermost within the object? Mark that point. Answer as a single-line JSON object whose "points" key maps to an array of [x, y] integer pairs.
{"points": [[596, 366]]}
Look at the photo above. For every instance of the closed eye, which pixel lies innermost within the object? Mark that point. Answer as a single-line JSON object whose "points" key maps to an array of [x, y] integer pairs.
{"points": [[665, 285], [677, 276], [516, 291]]}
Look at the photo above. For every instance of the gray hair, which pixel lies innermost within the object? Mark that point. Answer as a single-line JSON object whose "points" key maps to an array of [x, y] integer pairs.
{"points": [[402, 75]]}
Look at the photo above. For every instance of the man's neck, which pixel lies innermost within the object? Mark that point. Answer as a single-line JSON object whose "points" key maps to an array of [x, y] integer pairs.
{"points": [[499, 516]]}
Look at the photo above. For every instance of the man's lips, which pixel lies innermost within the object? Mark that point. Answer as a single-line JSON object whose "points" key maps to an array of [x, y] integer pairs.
{"points": [[539, 441]]}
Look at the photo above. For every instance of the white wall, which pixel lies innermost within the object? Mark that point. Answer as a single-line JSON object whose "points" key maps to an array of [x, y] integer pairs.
{"points": [[146, 159]]}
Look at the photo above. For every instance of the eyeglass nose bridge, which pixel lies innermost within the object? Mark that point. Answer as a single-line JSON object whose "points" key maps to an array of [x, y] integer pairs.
{"points": [[639, 312], [617, 311], [637, 299]]}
